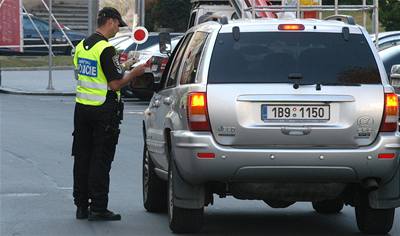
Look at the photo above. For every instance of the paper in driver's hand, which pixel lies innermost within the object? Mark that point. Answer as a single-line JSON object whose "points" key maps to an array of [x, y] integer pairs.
{"points": [[142, 60]]}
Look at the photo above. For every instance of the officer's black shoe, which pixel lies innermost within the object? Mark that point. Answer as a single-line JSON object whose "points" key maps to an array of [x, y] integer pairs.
{"points": [[82, 213], [103, 216]]}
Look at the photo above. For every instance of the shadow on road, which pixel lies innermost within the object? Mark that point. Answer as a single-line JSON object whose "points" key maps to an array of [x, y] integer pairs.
{"points": [[275, 222]]}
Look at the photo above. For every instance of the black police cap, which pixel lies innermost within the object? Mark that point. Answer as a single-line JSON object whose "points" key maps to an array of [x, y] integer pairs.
{"points": [[112, 13]]}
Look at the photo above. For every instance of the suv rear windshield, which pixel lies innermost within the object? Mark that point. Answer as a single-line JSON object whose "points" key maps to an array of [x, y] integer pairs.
{"points": [[273, 57]]}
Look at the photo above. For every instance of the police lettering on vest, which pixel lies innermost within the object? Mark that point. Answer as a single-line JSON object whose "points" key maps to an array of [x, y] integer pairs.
{"points": [[87, 67], [92, 87]]}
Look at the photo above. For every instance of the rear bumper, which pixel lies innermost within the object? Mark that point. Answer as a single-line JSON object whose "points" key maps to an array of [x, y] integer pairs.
{"points": [[282, 165]]}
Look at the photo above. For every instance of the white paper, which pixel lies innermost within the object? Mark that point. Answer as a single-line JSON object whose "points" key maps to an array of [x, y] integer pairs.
{"points": [[142, 60]]}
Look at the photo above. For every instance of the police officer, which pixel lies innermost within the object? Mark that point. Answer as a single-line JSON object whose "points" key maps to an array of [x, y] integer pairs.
{"points": [[98, 112]]}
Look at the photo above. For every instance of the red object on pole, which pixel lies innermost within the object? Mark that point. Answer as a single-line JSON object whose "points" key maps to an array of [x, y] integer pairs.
{"points": [[10, 24], [140, 35]]}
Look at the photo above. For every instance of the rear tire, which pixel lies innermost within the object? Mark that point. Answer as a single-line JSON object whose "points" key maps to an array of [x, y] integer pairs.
{"points": [[154, 188], [182, 220], [373, 221], [328, 206]]}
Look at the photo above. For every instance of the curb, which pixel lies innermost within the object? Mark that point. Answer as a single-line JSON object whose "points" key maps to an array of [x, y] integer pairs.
{"points": [[45, 68], [41, 93]]}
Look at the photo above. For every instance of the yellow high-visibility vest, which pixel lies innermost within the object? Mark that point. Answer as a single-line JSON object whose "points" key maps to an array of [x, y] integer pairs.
{"points": [[92, 85]]}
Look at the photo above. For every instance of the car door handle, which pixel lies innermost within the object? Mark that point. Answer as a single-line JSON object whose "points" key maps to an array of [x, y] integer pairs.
{"points": [[296, 131], [167, 101]]}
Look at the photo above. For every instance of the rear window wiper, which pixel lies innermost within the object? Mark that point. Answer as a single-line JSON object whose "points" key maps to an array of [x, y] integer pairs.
{"points": [[340, 84], [319, 84]]}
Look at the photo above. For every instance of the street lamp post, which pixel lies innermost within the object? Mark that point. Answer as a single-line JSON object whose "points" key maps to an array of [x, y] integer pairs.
{"points": [[50, 84], [140, 12], [93, 8]]}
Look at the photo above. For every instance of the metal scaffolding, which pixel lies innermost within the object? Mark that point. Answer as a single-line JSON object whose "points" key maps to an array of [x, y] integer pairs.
{"points": [[248, 10]]}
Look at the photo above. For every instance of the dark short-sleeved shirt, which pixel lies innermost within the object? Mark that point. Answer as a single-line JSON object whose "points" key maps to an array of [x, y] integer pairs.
{"points": [[109, 60]]}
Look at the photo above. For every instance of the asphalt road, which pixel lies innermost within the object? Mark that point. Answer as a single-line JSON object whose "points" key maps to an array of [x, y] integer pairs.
{"points": [[36, 183]]}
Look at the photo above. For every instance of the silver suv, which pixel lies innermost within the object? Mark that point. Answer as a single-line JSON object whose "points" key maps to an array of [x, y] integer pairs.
{"points": [[274, 110]]}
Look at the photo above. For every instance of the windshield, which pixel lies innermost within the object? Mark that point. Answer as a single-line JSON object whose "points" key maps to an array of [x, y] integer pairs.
{"points": [[272, 57]]}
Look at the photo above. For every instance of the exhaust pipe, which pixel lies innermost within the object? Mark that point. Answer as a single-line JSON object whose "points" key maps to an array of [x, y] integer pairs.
{"points": [[370, 184]]}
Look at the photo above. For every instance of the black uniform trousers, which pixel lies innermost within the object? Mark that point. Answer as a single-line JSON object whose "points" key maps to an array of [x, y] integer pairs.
{"points": [[96, 132]]}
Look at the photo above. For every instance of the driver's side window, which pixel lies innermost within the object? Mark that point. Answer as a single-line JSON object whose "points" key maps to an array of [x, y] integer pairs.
{"points": [[173, 73]]}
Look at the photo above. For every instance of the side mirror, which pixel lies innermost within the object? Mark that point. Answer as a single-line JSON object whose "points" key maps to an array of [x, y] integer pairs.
{"points": [[165, 43], [73, 52], [395, 77]]}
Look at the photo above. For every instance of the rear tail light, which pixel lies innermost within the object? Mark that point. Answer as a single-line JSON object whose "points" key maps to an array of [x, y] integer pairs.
{"points": [[391, 113], [149, 62], [291, 27], [206, 155], [148, 66], [164, 62], [386, 155], [123, 57], [197, 112]]}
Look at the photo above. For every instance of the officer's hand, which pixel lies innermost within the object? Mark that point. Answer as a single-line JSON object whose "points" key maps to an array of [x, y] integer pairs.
{"points": [[138, 70]]}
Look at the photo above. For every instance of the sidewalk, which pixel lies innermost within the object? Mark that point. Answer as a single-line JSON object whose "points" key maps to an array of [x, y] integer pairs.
{"points": [[36, 82]]}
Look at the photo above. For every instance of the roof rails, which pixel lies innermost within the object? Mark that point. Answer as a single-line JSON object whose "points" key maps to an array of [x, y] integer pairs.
{"points": [[248, 9], [344, 18]]}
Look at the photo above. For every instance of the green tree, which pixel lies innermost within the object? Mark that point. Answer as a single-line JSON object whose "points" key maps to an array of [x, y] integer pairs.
{"points": [[389, 11], [172, 14], [389, 14]]}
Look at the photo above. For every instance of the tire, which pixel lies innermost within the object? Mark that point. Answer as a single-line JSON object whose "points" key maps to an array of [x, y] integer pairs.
{"points": [[373, 221], [328, 206], [154, 188], [182, 220]]}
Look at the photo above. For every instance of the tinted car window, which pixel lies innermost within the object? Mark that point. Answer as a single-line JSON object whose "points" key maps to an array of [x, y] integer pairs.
{"points": [[169, 63], [172, 78], [270, 57], [192, 19], [192, 58], [43, 27]]}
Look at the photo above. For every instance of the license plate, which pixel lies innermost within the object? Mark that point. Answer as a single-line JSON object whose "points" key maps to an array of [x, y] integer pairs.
{"points": [[295, 112]]}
